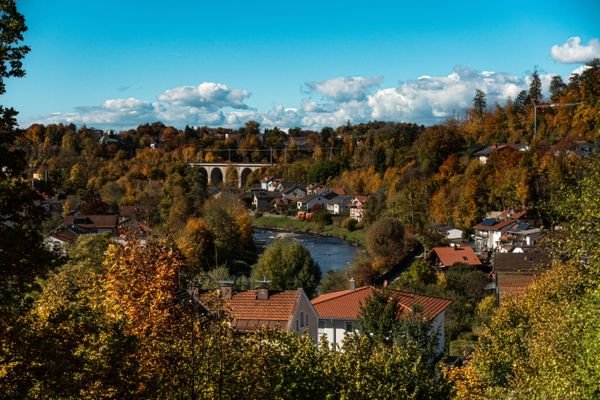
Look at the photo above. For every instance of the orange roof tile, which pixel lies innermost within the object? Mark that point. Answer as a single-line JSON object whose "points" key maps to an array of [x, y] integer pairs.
{"points": [[346, 304], [278, 307], [460, 254]]}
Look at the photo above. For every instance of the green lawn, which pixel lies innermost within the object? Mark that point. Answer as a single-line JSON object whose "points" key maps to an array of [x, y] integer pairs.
{"points": [[292, 224]]}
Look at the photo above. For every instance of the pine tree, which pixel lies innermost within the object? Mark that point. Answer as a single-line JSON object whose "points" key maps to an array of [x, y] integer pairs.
{"points": [[479, 102]]}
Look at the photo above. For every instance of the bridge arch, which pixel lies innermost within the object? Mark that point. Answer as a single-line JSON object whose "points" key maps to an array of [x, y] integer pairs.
{"points": [[216, 176], [216, 172], [244, 173]]}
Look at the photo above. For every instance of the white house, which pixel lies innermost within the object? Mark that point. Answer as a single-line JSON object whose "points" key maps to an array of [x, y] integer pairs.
{"points": [[309, 202], [339, 205], [357, 207], [339, 312]]}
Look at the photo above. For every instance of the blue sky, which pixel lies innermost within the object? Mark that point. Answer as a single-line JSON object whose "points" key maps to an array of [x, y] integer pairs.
{"points": [[309, 63]]}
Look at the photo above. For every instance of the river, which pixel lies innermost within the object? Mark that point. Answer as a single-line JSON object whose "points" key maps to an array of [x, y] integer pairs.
{"points": [[329, 252]]}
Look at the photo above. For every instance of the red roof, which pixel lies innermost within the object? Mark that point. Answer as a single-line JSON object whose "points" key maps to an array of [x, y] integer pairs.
{"points": [[449, 256], [346, 304], [249, 312]]}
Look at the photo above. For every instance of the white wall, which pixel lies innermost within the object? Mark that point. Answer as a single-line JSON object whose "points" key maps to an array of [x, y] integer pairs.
{"points": [[335, 330]]}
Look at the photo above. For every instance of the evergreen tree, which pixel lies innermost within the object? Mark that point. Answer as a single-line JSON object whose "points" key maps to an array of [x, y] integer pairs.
{"points": [[479, 102], [535, 87], [557, 88]]}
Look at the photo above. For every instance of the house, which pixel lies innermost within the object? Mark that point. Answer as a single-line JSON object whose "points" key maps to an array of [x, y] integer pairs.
{"points": [[489, 232], [311, 202], [316, 188], [520, 234], [339, 312], [569, 147], [445, 257], [263, 199], [293, 191], [274, 184], [513, 272], [264, 183], [358, 207], [484, 154], [339, 205], [290, 310], [59, 241], [450, 233], [93, 223]]}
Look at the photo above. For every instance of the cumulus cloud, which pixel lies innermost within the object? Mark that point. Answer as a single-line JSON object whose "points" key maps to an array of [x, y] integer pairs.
{"points": [[112, 112], [194, 105], [343, 89], [208, 95], [430, 99], [572, 51], [426, 100]]}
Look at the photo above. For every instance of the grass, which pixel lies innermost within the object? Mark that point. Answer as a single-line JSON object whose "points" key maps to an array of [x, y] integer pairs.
{"points": [[293, 224]]}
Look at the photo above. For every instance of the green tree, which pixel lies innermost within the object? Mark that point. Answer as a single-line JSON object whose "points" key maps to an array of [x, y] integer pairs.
{"points": [[288, 265], [378, 315]]}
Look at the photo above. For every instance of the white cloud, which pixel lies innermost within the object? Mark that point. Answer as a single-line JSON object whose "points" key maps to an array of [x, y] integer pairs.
{"points": [[343, 89], [430, 99], [571, 51], [208, 95], [579, 70], [112, 112], [426, 100]]}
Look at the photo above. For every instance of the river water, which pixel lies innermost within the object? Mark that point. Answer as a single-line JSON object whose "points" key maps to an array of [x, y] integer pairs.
{"points": [[329, 252]]}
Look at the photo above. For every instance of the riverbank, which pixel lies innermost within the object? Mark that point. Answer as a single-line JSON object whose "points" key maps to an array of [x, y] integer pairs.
{"points": [[283, 223]]}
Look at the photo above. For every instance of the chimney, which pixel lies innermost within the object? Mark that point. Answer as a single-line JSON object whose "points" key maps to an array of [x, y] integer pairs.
{"points": [[226, 289], [352, 284], [262, 290]]}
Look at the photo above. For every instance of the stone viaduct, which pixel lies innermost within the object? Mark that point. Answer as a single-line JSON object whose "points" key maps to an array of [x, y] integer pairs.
{"points": [[215, 172]]}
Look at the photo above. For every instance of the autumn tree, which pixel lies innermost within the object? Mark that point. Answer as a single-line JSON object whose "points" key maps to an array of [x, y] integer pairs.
{"points": [[229, 223], [534, 345], [385, 240]]}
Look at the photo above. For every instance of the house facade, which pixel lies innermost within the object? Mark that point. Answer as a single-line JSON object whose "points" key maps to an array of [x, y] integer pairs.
{"points": [[339, 205], [309, 202], [357, 207]]}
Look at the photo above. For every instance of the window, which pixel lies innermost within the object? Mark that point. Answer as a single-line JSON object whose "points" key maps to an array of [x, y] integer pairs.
{"points": [[301, 319], [349, 327], [306, 319], [321, 324], [297, 326]]}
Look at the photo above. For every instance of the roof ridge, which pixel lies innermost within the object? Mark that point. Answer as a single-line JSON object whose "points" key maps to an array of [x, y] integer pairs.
{"points": [[420, 295], [347, 292]]}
